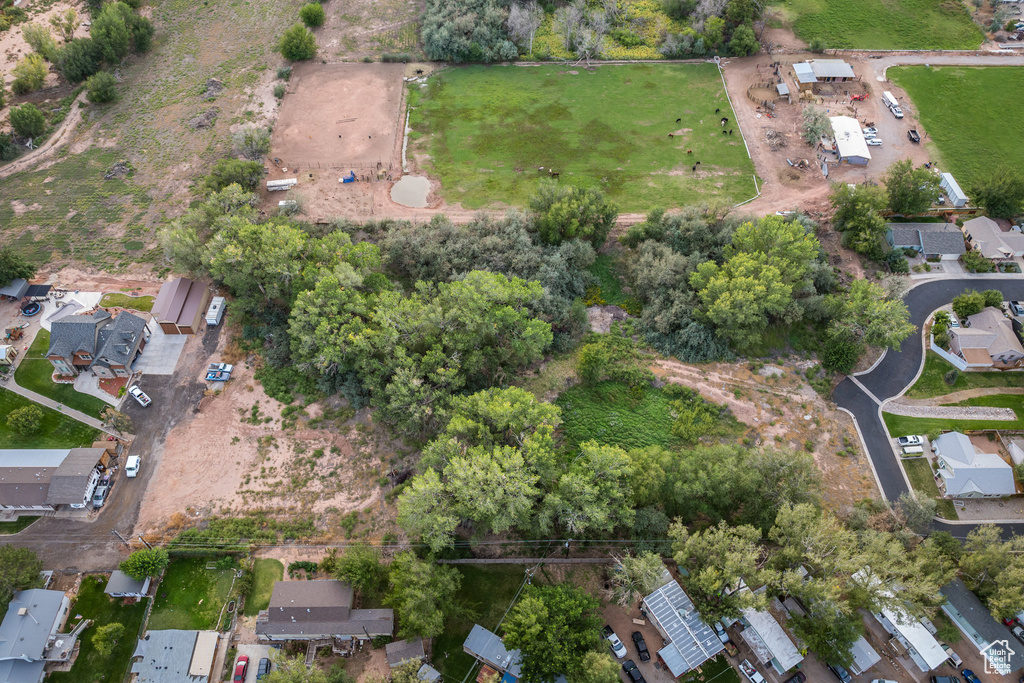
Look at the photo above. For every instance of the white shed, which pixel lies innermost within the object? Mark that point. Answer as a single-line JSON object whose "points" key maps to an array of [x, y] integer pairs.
{"points": [[952, 189], [850, 142]]}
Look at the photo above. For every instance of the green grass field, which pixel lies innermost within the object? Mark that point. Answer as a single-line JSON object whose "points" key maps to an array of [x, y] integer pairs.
{"points": [[885, 24], [900, 425], [932, 383], [20, 524], [136, 303], [56, 430], [488, 129], [486, 593], [922, 480], [969, 120], [35, 372], [91, 666], [265, 573], [186, 582], [606, 412]]}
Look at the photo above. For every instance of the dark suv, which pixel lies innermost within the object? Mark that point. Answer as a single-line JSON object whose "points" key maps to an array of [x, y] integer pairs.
{"points": [[629, 666], [263, 669], [842, 674], [641, 646]]}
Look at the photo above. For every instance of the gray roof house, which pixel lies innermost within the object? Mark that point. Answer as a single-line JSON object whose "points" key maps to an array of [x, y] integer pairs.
{"points": [[486, 647], [943, 240], [965, 472], [29, 635], [120, 585], [689, 642], [823, 70], [318, 610], [988, 338], [402, 651], [769, 641], [106, 346], [981, 628], [174, 656], [43, 479]]}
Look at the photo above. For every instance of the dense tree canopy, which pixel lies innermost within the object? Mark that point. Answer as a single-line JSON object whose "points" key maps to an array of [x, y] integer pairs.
{"points": [[13, 265], [421, 594], [911, 191]]}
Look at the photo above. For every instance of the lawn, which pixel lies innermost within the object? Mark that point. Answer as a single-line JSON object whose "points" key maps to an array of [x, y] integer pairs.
{"points": [[922, 480], [34, 374], [55, 431], [265, 573], [932, 383], [969, 119], [136, 303], [885, 24], [486, 593], [20, 524], [90, 666], [190, 596], [718, 670], [608, 413], [900, 425], [488, 130]]}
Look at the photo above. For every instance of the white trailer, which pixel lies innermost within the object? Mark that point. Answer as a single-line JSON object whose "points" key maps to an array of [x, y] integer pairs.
{"points": [[281, 185], [215, 312]]}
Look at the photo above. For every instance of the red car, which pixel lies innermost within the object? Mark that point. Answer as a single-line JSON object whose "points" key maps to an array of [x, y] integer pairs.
{"points": [[241, 666]]}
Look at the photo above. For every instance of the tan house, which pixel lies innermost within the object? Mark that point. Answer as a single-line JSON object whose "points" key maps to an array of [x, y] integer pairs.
{"points": [[180, 305], [983, 234], [988, 339]]}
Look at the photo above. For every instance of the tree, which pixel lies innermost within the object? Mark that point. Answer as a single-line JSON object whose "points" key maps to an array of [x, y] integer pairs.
{"points": [[741, 296], [1001, 193], [112, 31], [293, 670], [993, 298], [842, 349], [790, 246], [596, 667], [19, 570], [361, 567], [815, 125], [312, 14], [297, 43], [523, 21], [26, 420], [40, 40], [105, 638], [717, 559], [911, 191], [421, 593], [829, 631], [29, 74], [406, 673], [13, 265], [425, 510], [116, 420], [973, 301], [985, 557], [1007, 600], [145, 563], [102, 87], [252, 142], [553, 627], [858, 216], [744, 42], [679, 10], [633, 577], [246, 174], [917, 513], [65, 24], [593, 496], [78, 60], [867, 311], [495, 488], [564, 212], [27, 121]]}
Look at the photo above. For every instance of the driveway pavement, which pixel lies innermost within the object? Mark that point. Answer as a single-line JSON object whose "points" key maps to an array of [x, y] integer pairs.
{"points": [[161, 354], [895, 373], [256, 653]]}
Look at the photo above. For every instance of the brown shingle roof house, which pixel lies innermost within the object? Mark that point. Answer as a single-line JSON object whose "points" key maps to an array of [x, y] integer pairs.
{"points": [[319, 610], [180, 305]]}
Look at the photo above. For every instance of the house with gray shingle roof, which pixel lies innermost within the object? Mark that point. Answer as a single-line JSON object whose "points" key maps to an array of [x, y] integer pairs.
{"points": [[30, 637], [319, 610], [965, 472], [988, 338], [107, 346], [941, 240], [120, 585]]}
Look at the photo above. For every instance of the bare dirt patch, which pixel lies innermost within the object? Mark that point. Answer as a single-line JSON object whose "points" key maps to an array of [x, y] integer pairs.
{"points": [[784, 411]]}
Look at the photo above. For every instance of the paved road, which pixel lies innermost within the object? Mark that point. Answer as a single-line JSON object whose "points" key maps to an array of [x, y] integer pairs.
{"points": [[897, 371]]}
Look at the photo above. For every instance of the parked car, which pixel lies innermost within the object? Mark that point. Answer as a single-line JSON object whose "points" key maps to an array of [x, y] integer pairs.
{"points": [[99, 496], [954, 322], [1018, 633], [641, 646], [798, 678], [264, 668], [954, 659], [140, 396], [618, 649], [1016, 308], [969, 676], [914, 136], [629, 666], [842, 674], [868, 136], [720, 630], [220, 367], [874, 142], [910, 441], [752, 674], [132, 465], [883, 680], [871, 131], [241, 666], [218, 376], [944, 679], [1011, 622]]}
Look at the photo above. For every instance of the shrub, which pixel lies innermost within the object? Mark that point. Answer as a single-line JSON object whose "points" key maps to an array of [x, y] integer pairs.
{"points": [[951, 376], [817, 45], [446, 38], [226, 172], [897, 262], [565, 212], [680, 10], [297, 44], [397, 57], [40, 40], [78, 60], [279, 90], [102, 87], [252, 143], [8, 150], [976, 263], [841, 351], [118, 30], [312, 14], [28, 121], [284, 73], [143, 563], [968, 303], [25, 421], [29, 74]]}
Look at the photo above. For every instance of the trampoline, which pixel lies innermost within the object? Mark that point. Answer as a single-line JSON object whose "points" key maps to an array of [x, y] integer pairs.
{"points": [[30, 309]]}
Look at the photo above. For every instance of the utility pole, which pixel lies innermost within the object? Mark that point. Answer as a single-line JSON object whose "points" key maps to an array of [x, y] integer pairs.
{"points": [[122, 539], [145, 542]]}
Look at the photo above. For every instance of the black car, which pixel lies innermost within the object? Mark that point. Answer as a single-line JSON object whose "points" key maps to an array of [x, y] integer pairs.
{"points": [[263, 669], [629, 666], [842, 674], [641, 646], [798, 678]]}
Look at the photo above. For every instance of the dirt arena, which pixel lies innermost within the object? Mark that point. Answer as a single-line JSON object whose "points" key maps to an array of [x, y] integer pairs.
{"points": [[346, 116]]}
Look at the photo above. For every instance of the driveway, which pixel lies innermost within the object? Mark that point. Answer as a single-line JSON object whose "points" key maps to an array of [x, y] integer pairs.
{"points": [[161, 354], [256, 653], [895, 373]]}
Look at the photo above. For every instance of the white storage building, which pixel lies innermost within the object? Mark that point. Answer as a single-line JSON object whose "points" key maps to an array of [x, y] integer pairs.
{"points": [[952, 189], [849, 140]]}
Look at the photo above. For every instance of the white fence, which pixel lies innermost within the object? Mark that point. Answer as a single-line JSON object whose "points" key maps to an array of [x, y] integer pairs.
{"points": [[957, 362]]}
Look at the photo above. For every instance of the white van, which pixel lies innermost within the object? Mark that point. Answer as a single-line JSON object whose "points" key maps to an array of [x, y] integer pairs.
{"points": [[913, 450], [131, 466]]}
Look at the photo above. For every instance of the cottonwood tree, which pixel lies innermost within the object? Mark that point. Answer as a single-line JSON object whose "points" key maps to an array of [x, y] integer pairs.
{"points": [[870, 315], [13, 265], [911, 191], [858, 217], [563, 212], [361, 567], [595, 667], [633, 577], [593, 496], [425, 510], [1001, 193], [523, 21], [421, 593], [815, 125]]}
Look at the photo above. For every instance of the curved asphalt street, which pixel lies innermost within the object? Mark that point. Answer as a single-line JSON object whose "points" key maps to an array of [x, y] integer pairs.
{"points": [[896, 372]]}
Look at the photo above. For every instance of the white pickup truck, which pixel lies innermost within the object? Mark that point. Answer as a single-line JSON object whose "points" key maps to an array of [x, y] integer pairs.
{"points": [[750, 672]]}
